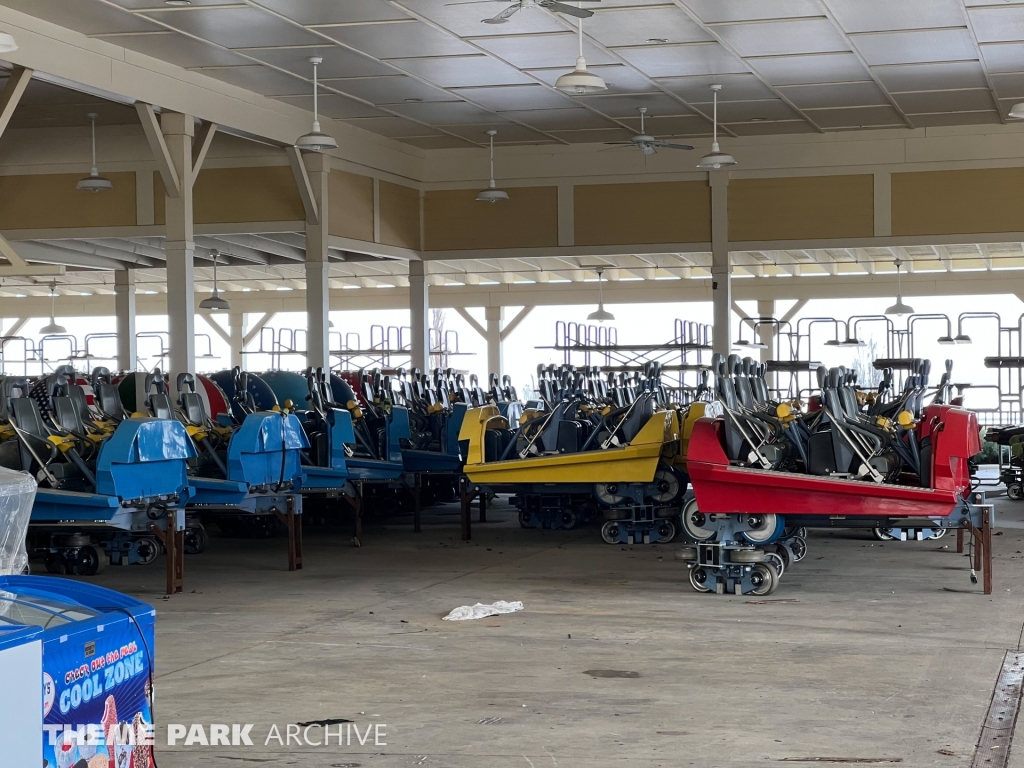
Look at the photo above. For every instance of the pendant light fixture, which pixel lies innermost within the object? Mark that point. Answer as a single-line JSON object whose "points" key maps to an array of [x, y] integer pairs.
{"points": [[492, 194], [94, 182], [215, 303], [7, 44], [899, 308], [716, 158], [1017, 111], [52, 327], [601, 314], [316, 141], [580, 82]]}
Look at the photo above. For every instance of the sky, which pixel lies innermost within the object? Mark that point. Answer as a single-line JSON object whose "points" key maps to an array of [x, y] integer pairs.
{"points": [[529, 345]]}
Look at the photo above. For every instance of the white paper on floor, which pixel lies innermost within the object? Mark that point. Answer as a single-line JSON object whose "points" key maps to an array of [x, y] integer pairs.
{"points": [[479, 611]]}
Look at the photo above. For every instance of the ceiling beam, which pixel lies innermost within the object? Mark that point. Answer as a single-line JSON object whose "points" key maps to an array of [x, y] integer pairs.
{"points": [[201, 147], [303, 183], [158, 146], [11, 95]]}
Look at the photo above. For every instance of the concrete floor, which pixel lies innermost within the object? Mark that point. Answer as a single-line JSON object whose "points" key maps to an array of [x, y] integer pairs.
{"points": [[885, 652]]}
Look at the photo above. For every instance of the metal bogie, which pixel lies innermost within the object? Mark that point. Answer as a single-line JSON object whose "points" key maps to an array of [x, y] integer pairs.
{"points": [[733, 569]]}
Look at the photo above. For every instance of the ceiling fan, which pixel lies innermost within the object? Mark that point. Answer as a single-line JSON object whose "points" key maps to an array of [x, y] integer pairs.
{"points": [[518, 5], [647, 144]]}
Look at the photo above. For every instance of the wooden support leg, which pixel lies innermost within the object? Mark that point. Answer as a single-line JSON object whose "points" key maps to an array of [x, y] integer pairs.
{"points": [[357, 506], [416, 502], [483, 507], [467, 505], [986, 536], [174, 542], [959, 541], [293, 523], [979, 546]]}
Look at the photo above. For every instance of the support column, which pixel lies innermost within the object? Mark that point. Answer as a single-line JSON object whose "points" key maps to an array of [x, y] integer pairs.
{"points": [[721, 268], [318, 290], [419, 315], [495, 349], [124, 308], [767, 334], [236, 337], [178, 131]]}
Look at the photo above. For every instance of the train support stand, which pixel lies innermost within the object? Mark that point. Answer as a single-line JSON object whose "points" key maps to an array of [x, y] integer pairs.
{"points": [[293, 523], [173, 540], [468, 493]]}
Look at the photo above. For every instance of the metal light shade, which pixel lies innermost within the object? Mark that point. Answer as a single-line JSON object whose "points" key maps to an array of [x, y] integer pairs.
{"points": [[851, 341], [962, 338], [601, 314], [1017, 111], [492, 195], [580, 81], [899, 308], [316, 141], [716, 159], [95, 183], [7, 43], [948, 340], [52, 327], [215, 303]]}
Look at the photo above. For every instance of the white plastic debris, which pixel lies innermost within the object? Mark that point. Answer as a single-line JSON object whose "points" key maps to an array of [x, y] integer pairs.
{"points": [[480, 611], [17, 494]]}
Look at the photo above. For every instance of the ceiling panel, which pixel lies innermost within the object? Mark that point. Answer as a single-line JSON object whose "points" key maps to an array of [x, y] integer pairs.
{"points": [[236, 27], [337, 62], [139, 5], [627, 106], [536, 51], [445, 113], [954, 118], [697, 90], [86, 16], [835, 95], [393, 127], [920, 46], [390, 90], [511, 97], [260, 79], [878, 15], [925, 77], [1009, 86], [334, 106], [597, 136], [177, 49], [438, 142], [995, 25], [779, 38], [465, 71], [1004, 57], [769, 109], [856, 117], [749, 10], [636, 26], [945, 101], [312, 12], [507, 133], [399, 41], [466, 20], [618, 78], [682, 60], [771, 128], [559, 119], [672, 126], [822, 68]]}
